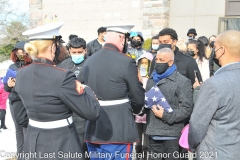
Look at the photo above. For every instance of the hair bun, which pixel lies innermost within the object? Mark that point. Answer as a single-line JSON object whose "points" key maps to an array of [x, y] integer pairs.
{"points": [[31, 49]]}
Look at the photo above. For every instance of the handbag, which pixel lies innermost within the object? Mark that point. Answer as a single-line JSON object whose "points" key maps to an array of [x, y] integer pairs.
{"points": [[183, 141]]}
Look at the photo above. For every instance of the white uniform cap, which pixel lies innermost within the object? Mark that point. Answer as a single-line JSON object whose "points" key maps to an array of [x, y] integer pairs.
{"points": [[121, 28], [44, 32]]}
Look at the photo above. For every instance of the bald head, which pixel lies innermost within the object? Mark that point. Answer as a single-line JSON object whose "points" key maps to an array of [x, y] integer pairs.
{"points": [[231, 41], [166, 53]]}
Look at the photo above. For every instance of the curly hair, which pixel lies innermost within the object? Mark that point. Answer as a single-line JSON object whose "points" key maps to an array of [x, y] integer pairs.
{"points": [[77, 42], [169, 31], [200, 47], [27, 59]]}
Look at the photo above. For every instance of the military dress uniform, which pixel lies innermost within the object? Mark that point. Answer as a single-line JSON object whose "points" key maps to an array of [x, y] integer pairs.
{"points": [[113, 77], [43, 100], [78, 121]]}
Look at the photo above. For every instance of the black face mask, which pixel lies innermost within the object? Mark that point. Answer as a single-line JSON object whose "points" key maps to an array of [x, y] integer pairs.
{"points": [[216, 60], [161, 67], [136, 43], [191, 53], [211, 44], [165, 46]]}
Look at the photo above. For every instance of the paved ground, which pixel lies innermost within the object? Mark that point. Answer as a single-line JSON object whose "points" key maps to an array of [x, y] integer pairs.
{"points": [[2, 72], [7, 137], [4, 66]]}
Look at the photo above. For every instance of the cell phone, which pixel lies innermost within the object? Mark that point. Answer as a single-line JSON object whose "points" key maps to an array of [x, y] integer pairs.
{"points": [[197, 75]]}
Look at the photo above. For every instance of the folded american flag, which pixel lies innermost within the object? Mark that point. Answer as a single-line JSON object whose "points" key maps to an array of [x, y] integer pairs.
{"points": [[155, 97]]}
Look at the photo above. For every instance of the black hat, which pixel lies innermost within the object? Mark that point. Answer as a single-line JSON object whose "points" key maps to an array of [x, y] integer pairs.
{"points": [[19, 45], [193, 31]]}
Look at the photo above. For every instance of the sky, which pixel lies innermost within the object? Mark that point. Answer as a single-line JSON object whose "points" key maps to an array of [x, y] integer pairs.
{"points": [[22, 4]]}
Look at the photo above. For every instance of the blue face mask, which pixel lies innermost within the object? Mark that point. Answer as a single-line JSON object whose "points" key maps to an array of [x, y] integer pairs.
{"points": [[104, 38], [77, 59]]}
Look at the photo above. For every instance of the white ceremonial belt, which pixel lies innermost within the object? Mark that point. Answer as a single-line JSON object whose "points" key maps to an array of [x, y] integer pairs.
{"points": [[51, 124], [113, 102]]}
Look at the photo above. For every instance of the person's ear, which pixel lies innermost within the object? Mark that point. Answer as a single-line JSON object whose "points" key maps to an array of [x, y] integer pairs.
{"points": [[174, 42], [170, 63], [196, 51], [53, 49], [122, 39]]}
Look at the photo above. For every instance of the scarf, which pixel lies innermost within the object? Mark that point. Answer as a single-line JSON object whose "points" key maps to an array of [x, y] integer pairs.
{"points": [[157, 77]]}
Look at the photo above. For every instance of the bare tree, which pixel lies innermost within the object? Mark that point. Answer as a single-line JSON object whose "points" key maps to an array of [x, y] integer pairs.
{"points": [[6, 12], [12, 23]]}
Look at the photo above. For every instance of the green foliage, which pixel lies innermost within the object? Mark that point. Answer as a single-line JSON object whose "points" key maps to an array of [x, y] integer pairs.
{"points": [[12, 35], [3, 57], [6, 50], [147, 44]]}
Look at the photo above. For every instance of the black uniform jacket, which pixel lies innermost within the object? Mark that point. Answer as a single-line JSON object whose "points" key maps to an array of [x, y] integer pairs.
{"points": [[93, 47], [113, 76], [46, 93]]}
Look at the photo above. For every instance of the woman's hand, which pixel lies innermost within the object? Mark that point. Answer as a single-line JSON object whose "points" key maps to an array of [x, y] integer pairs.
{"points": [[11, 82], [196, 84], [158, 111]]}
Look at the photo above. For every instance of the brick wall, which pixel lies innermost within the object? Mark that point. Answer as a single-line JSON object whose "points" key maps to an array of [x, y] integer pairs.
{"points": [[35, 13], [155, 16]]}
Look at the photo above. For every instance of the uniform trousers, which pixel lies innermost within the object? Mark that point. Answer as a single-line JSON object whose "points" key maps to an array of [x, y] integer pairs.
{"points": [[110, 151]]}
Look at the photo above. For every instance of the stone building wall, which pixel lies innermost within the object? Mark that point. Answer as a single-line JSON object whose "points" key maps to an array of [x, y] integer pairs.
{"points": [[35, 13], [203, 15], [155, 16], [83, 17]]}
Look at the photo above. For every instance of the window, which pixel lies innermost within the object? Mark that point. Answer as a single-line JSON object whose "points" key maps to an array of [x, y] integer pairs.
{"points": [[228, 23], [232, 8]]}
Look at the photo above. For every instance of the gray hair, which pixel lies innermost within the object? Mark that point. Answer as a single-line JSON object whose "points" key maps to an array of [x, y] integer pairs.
{"points": [[166, 51]]}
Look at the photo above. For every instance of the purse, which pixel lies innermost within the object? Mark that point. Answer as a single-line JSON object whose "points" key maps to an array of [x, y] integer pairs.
{"points": [[183, 141]]}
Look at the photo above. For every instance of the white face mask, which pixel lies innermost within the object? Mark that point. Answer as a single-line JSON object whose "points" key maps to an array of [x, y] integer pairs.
{"points": [[155, 47], [143, 71]]}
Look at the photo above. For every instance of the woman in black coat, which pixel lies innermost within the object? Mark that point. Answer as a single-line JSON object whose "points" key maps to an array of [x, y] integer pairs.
{"points": [[20, 59]]}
